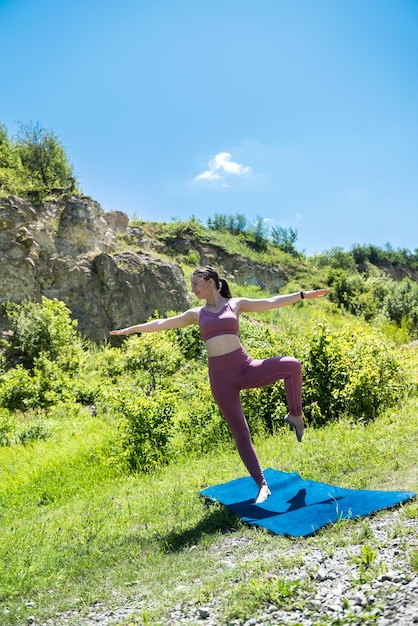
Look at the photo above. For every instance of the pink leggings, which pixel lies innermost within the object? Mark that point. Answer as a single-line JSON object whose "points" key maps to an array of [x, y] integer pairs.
{"points": [[230, 373]]}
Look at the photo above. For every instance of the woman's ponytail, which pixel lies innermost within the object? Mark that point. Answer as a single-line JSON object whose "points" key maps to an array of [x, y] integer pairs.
{"points": [[224, 289]]}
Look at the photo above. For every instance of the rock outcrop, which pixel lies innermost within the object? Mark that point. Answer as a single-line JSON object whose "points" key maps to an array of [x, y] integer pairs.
{"points": [[108, 274], [67, 249]]}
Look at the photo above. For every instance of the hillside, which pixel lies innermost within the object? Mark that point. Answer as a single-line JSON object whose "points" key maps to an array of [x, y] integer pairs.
{"points": [[111, 272]]}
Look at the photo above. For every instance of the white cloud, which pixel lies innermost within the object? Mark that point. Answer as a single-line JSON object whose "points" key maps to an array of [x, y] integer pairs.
{"points": [[208, 175], [220, 166]]}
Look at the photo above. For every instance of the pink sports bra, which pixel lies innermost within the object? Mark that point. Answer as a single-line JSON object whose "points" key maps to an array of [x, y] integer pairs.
{"points": [[224, 322]]}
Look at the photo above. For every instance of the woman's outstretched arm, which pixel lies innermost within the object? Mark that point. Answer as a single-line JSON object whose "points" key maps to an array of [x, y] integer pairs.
{"points": [[255, 305], [177, 321]]}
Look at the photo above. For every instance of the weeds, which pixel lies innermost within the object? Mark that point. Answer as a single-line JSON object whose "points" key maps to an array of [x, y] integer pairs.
{"points": [[248, 597], [368, 566]]}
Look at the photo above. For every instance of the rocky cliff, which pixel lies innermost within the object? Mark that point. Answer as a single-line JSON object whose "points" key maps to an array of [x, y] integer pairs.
{"points": [[108, 274], [68, 249]]}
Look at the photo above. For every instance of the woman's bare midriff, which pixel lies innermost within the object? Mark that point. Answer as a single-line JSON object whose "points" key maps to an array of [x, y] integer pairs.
{"points": [[217, 346]]}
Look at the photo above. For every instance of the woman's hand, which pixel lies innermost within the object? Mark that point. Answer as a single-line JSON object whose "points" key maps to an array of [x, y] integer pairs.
{"points": [[316, 293], [122, 331]]}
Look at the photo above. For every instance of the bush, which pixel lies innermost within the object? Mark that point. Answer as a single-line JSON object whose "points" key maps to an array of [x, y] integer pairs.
{"points": [[44, 385], [401, 305], [190, 342], [46, 343], [44, 328], [146, 426], [154, 353], [18, 389], [350, 373]]}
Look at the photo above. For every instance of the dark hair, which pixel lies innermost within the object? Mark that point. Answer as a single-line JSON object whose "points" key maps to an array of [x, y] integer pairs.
{"points": [[208, 272]]}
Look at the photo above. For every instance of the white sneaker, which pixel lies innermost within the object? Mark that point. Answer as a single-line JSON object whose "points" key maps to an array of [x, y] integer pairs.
{"points": [[263, 494]]}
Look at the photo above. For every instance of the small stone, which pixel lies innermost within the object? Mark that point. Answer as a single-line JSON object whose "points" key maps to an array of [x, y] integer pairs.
{"points": [[321, 574]]}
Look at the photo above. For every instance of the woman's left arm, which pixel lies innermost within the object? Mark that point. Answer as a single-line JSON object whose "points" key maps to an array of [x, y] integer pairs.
{"points": [[255, 305]]}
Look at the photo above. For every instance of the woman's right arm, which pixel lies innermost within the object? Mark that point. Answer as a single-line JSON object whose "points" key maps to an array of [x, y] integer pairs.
{"points": [[177, 321]]}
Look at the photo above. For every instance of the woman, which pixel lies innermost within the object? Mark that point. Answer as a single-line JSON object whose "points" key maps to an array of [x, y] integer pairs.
{"points": [[230, 367]]}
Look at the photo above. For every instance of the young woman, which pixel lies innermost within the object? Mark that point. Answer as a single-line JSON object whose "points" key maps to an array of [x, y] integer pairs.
{"points": [[231, 369]]}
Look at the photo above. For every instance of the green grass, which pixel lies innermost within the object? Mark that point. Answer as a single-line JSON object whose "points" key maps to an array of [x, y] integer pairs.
{"points": [[74, 530]]}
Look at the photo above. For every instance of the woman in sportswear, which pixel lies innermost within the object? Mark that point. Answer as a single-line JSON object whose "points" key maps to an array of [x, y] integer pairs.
{"points": [[231, 369]]}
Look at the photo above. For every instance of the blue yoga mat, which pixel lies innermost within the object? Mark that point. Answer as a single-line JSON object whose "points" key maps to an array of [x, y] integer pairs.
{"points": [[299, 507]]}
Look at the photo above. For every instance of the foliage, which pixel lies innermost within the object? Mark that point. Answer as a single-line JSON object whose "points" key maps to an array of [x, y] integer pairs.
{"points": [[401, 304], [34, 164], [285, 239], [13, 176], [336, 259], [18, 429], [234, 224], [360, 255], [255, 235], [44, 385], [370, 293], [154, 354], [146, 426], [46, 344], [348, 373], [190, 342], [200, 426], [44, 328], [361, 295], [380, 256], [169, 231]]}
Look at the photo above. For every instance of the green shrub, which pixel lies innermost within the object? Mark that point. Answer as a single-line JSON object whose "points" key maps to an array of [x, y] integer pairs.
{"points": [[154, 353], [34, 164], [146, 427], [6, 427], [350, 373], [17, 389], [401, 305], [43, 385], [44, 328]]}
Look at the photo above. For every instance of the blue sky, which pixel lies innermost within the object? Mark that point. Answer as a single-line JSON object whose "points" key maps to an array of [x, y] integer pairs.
{"points": [[303, 112]]}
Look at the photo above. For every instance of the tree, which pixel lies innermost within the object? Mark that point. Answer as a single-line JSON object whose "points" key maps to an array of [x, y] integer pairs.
{"points": [[257, 235], [284, 238], [45, 161], [12, 175]]}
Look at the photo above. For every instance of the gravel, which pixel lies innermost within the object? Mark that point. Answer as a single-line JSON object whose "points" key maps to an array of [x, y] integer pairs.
{"points": [[335, 586]]}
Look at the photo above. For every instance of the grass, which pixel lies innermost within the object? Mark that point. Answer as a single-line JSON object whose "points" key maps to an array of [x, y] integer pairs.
{"points": [[75, 530]]}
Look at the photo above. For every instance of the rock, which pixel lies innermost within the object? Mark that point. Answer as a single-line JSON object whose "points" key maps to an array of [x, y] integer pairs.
{"points": [[117, 221], [66, 249]]}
